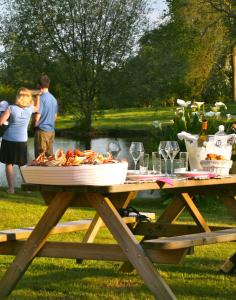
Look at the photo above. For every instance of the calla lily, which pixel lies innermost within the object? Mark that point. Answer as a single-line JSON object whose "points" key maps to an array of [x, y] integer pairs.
{"points": [[199, 104], [212, 114], [180, 110], [215, 108], [194, 106], [220, 104], [229, 116], [156, 124], [183, 103]]}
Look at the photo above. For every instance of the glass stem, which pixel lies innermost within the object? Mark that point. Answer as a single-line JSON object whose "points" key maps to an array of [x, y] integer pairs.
{"points": [[172, 166], [166, 167], [135, 165]]}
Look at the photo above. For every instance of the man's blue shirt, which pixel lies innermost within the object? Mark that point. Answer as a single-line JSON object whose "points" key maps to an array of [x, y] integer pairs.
{"points": [[47, 109]]}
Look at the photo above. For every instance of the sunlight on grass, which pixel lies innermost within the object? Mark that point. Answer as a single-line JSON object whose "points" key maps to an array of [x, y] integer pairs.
{"points": [[124, 119]]}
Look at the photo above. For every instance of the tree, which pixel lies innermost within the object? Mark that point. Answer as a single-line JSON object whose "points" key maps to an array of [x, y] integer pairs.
{"points": [[187, 54], [82, 38], [227, 10]]}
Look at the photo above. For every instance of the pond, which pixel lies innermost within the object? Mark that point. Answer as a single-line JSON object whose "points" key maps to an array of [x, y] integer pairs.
{"points": [[98, 145]]}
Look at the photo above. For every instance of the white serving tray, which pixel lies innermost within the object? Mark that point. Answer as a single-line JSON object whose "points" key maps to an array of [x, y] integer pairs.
{"points": [[100, 175]]}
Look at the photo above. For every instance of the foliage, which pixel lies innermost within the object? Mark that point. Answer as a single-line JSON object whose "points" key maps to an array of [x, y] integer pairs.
{"points": [[188, 55], [75, 40]]}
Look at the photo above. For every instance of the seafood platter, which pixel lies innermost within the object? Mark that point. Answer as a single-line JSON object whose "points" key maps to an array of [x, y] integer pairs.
{"points": [[75, 168]]}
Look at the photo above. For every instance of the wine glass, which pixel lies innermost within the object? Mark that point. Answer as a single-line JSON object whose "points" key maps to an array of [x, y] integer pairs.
{"points": [[114, 148], [162, 151], [136, 150], [172, 149]]}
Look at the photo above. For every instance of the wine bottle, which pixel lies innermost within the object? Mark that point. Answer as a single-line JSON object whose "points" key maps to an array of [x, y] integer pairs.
{"points": [[203, 136], [229, 265]]}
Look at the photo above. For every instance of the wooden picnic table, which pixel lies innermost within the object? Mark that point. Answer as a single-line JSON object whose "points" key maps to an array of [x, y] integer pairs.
{"points": [[107, 200]]}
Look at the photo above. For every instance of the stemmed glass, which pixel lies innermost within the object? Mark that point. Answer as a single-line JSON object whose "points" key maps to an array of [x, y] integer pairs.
{"points": [[114, 148], [136, 150], [162, 151], [172, 149]]}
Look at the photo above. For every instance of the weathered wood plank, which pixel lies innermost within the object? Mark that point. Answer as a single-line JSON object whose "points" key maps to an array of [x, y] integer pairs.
{"points": [[164, 229], [180, 186], [93, 251], [65, 227], [197, 239], [34, 243], [131, 248], [195, 213]]}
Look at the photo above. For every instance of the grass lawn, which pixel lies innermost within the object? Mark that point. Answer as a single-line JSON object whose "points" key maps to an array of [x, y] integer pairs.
{"points": [[129, 119], [46, 278]]}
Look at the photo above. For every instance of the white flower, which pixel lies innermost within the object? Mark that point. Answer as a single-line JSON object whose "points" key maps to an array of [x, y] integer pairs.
{"points": [[215, 108], [183, 103], [220, 104], [156, 124], [179, 110], [212, 114], [199, 104], [194, 106]]}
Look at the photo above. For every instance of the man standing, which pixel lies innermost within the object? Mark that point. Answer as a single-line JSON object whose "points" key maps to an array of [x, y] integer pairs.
{"points": [[45, 120]]}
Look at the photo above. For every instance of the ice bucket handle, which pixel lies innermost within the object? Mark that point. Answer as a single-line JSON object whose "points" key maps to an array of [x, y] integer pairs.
{"points": [[231, 139], [183, 135]]}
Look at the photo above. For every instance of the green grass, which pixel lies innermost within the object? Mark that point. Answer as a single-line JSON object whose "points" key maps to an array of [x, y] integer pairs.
{"points": [[129, 119], [47, 278]]}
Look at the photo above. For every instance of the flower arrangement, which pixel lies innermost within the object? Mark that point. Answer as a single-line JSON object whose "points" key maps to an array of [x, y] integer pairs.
{"points": [[188, 117]]}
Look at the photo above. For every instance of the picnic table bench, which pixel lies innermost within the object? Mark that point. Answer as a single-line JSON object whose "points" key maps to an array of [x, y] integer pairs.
{"points": [[164, 241], [65, 227]]}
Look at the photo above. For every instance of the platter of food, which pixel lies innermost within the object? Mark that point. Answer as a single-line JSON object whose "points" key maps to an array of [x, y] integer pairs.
{"points": [[86, 168]]}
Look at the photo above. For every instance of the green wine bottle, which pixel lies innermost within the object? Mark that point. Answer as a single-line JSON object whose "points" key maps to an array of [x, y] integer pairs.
{"points": [[203, 136]]}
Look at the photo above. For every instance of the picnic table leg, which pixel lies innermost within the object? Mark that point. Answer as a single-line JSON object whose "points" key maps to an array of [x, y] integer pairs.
{"points": [[131, 247], [97, 221], [195, 213], [229, 201], [91, 232], [34, 243], [170, 214]]}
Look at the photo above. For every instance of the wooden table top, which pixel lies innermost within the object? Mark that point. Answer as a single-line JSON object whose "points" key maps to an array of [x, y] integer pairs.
{"points": [[178, 185]]}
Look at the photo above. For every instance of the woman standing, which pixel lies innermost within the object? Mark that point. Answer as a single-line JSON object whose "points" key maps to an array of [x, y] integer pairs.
{"points": [[14, 141]]}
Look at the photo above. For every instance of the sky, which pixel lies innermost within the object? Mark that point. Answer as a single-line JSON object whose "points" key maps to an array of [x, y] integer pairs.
{"points": [[158, 7]]}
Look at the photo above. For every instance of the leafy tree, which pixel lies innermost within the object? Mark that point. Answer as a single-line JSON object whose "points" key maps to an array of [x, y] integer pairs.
{"points": [[77, 39]]}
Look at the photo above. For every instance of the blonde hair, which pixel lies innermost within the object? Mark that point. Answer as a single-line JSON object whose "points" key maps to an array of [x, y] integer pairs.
{"points": [[24, 97]]}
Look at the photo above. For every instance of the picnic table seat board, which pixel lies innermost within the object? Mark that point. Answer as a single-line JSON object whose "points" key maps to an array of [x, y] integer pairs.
{"points": [[196, 239], [64, 227]]}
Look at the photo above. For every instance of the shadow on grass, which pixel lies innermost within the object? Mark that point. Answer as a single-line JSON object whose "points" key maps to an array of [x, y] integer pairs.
{"points": [[106, 281], [81, 282]]}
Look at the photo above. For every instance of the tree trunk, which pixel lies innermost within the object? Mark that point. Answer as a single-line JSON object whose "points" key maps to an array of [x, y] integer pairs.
{"points": [[234, 73]]}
